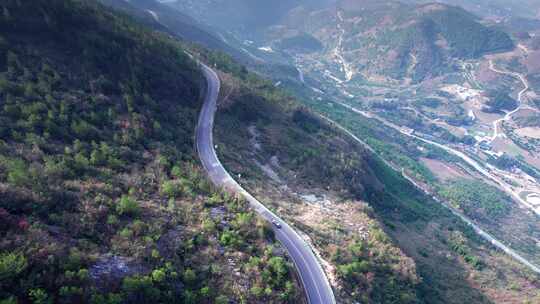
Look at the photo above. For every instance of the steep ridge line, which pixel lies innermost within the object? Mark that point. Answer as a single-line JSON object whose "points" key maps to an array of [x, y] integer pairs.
{"points": [[314, 280]]}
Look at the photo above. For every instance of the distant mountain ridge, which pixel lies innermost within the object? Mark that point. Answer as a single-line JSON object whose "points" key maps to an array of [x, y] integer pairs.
{"points": [[236, 15], [398, 40], [162, 17], [380, 39]]}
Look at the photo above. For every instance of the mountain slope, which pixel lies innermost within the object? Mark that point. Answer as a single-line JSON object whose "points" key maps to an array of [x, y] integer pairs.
{"points": [[297, 164], [499, 8], [101, 200], [396, 40], [369, 224]]}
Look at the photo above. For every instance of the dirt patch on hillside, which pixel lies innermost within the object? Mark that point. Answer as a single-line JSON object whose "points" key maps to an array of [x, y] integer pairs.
{"points": [[508, 146], [444, 171], [485, 75]]}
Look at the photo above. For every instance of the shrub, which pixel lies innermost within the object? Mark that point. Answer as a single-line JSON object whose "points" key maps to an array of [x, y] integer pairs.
{"points": [[140, 289], [126, 233], [189, 276], [18, 173], [111, 298], [209, 225], [83, 274], [176, 171], [128, 206], [229, 238], [69, 293], [171, 189], [39, 296], [74, 260], [13, 300], [257, 291], [278, 270], [83, 130], [222, 299], [112, 220]]}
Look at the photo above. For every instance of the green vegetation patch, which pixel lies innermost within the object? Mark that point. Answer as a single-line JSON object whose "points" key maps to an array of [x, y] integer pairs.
{"points": [[466, 36], [477, 199], [499, 102]]}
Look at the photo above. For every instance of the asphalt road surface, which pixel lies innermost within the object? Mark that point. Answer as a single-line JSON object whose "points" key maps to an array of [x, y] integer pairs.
{"points": [[313, 278]]}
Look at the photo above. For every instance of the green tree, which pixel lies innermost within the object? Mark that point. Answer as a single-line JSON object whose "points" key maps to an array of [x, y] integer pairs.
{"points": [[222, 299], [97, 158], [11, 265], [18, 173], [10, 300], [158, 275], [189, 276], [257, 291], [140, 289], [278, 267], [39, 296], [205, 292], [190, 297]]}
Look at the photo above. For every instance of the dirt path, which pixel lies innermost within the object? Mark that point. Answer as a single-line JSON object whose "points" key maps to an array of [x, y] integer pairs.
{"points": [[508, 115], [338, 51]]}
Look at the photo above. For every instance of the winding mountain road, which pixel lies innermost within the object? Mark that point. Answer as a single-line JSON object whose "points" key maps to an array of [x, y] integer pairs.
{"points": [[314, 280]]}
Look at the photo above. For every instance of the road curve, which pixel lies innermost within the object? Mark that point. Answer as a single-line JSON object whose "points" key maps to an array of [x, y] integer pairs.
{"points": [[314, 281]]}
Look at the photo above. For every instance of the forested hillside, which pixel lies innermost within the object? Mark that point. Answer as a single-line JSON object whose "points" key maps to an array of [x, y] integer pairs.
{"points": [[101, 198]]}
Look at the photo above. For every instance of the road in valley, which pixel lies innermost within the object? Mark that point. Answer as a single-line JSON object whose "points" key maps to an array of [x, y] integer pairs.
{"points": [[485, 235], [473, 163], [314, 280]]}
